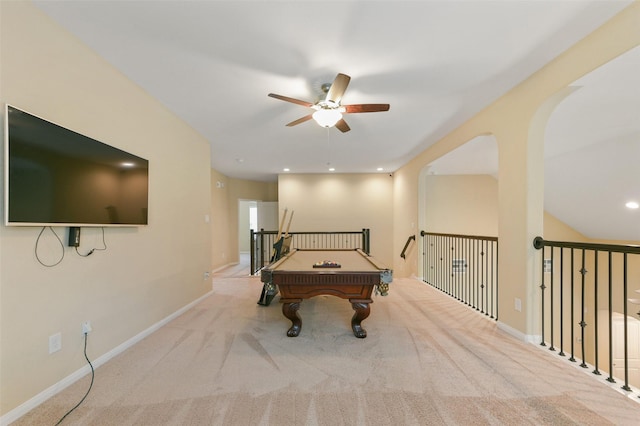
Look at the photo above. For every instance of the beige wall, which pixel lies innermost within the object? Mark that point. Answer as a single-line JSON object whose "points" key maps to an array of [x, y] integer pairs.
{"points": [[468, 205], [147, 273], [225, 198], [221, 234], [244, 230], [461, 204], [517, 121], [342, 202]]}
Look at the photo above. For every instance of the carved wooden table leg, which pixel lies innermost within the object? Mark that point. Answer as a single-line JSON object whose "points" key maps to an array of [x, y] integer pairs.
{"points": [[363, 310], [290, 310]]}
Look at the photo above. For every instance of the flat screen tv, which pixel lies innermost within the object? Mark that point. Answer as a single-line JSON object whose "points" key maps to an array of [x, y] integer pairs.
{"points": [[57, 177]]}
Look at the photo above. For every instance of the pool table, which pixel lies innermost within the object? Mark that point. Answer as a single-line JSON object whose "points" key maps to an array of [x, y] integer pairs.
{"points": [[349, 274]]}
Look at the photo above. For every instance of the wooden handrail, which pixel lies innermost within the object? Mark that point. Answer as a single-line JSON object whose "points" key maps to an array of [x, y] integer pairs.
{"points": [[406, 245], [539, 242]]}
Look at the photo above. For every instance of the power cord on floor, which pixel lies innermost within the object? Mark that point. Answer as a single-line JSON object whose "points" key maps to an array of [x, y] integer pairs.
{"points": [[90, 385]]}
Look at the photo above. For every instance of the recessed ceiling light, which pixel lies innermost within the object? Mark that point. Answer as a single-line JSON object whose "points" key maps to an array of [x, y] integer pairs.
{"points": [[632, 205], [286, 169], [379, 169], [331, 169]]}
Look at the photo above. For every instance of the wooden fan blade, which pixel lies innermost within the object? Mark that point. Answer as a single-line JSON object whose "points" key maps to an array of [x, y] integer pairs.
{"points": [[300, 120], [338, 88], [292, 100], [342, 125], [352, 109]]}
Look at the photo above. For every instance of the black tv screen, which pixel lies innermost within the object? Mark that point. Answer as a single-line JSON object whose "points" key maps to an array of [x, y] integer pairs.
{"points": [[55, 176]]}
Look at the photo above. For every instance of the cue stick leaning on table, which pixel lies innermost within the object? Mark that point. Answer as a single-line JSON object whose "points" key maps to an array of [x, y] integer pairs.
{"points": [[286, 240], [279, 248], [275, 254]]}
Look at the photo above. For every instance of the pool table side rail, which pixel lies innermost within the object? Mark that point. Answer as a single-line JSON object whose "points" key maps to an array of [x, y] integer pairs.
{"points": [[275, 274], [304, 259]]}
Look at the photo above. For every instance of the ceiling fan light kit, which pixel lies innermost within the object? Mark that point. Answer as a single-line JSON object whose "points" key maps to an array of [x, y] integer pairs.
{"points": [[327, 117], [329, 110]]}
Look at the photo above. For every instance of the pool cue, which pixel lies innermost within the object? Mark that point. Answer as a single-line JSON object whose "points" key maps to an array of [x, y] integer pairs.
{"points": [[265, 298], [283, 249], [284, 215], [275, 245], [289, 224]]}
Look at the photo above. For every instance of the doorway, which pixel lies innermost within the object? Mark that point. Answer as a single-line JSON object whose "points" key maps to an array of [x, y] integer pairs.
{"points": [[254, 215]]}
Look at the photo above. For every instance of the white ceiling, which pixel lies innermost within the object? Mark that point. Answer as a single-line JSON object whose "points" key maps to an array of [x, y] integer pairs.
{"points": [[436, 62]]}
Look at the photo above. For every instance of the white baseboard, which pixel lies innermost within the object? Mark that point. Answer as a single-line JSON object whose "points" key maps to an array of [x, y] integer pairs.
{"points": [[32, 403], [528, 338], [226, 265]]}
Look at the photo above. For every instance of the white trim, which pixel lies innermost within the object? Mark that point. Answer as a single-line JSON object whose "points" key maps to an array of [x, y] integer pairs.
{"points": [[32, 403], [226, 265], [528, 338]]}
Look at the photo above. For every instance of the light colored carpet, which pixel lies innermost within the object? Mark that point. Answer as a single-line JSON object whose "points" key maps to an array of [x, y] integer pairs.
{"points": [[427, 360]]}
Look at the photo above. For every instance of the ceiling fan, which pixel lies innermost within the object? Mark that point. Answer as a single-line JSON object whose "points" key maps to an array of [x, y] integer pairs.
{"points": [[329, 110]]}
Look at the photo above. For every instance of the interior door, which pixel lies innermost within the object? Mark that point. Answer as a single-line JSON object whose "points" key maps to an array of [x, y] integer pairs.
{"points": [[633, 348]]}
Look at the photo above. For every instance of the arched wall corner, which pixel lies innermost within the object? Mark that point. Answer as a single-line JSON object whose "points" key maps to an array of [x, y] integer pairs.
{"points": [[535, 203]]}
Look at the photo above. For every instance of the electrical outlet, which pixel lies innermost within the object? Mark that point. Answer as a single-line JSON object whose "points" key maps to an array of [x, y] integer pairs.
{"points": [[518, 305], [86, 327], [206, 275], [55, 342]]}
